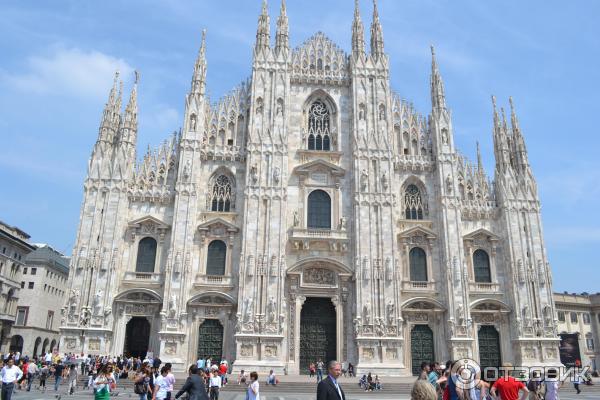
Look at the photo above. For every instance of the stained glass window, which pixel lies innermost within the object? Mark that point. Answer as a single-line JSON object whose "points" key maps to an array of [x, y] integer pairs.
{"points": [[146, 256]]}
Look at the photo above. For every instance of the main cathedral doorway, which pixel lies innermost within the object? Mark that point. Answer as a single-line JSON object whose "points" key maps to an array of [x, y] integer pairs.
{"points": [[137, 337], [210, 340], [317, 332], [489, 347], [421, 347]]}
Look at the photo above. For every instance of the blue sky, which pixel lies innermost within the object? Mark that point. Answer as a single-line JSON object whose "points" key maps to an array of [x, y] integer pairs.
{"points": [[57, 61]]}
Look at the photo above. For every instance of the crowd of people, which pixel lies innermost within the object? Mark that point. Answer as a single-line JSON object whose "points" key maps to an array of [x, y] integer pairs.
{"points": [[456, 381]]}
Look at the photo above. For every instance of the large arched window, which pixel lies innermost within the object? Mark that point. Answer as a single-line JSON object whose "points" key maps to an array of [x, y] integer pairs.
{"points": [[418, 265], [220, 196], [413, 203], [215, 260], [318, 127], [319, 210], [146, 256], [481, 266]]}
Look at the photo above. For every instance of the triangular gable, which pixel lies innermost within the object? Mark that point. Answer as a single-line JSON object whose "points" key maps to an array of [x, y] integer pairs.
{"points": [[311, 166], [481, 232], [148, 219], [206, 226], [416, 230]]}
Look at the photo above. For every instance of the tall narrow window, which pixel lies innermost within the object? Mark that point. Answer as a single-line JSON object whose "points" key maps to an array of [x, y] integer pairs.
{"points": [[146, 256], [215, 260], [319, 210], [481, 266], [220, 197], [418, 265], [413, 203], [318, 127]]}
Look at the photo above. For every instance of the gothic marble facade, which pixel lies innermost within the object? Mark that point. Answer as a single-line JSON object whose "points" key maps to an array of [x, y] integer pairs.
{"points": [[312, 179]]}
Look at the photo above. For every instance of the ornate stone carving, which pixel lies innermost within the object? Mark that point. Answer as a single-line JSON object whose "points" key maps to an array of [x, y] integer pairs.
{"points": [[94, 344], [318, 276], [391, 354], [246, 350], [368, 353], [270, 351]]}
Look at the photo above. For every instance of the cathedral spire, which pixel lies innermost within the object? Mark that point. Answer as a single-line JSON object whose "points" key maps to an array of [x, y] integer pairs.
{"points": [[110, 116], [513, 116], [129, 133], [282, 42], [519, 141], [263, 33], [501, 150], [199, 77], [479, 162], [438, 98], [376, 34], [358, 32]]}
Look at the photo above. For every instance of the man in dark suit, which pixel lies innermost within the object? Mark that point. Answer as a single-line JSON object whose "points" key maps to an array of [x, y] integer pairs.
{"points": [[194, 385], [329, 388]]}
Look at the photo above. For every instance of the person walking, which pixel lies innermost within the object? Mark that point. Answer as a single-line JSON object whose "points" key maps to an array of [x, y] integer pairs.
{"points": [[320, 367], [329, 388], [552, 384], [10, 376], [170, 379], [102, 384], [253, 387], [72, 379], [161, 385], [58, 374], [141, 384], [577, 382], [32, 371], [44, 372], [194, 385], [311, 370], [214, 384]]}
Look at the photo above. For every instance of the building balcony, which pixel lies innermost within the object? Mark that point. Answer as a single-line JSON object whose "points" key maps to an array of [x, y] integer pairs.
{"points": [[484, 287], [418, 286], [144, 278], [222, 281], [319, 239]]}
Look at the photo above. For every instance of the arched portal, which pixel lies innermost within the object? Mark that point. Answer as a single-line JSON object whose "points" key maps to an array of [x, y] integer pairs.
{"points": [[488, 339], [52, 345], [210, 340], [36, 346], [45, 346], [137, 337], [421, 346], [317, 332], [16, 344]]}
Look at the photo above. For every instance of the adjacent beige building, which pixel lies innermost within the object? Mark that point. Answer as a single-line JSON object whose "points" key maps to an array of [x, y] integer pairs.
{"points": [[43, 284], [14, 248], [579, 327]]}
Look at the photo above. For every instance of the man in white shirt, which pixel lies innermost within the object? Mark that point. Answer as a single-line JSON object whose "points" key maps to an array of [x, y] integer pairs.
{"points": [[31, 372], [48, 358], [10, 375]]}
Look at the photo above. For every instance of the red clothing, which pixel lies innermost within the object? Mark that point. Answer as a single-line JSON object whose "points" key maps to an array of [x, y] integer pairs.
{"points": [[508, 388], [222, 369]]}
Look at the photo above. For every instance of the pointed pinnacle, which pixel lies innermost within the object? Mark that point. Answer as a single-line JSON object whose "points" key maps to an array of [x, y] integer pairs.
{"points": [[137, 77], [356, 9], [203, 41], [479, 163], [375, 12], [283, 8], [264, 7]]}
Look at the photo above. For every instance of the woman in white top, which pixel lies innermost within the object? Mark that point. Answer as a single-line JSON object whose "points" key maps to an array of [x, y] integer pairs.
{"points": [[253, 387], [161, 385], [552, 385]]}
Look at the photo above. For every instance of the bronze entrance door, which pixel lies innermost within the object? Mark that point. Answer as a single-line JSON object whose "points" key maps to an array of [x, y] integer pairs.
{"points": [[489, 347], [317, 332], [210, 340], [137, 337], [421, 347]]}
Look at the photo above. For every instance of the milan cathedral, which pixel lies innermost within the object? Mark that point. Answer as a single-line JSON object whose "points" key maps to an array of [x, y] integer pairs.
{"points": [[310, 214]]}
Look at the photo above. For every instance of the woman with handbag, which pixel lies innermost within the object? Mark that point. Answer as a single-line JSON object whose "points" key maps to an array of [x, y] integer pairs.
{"points": [[102, 385]]}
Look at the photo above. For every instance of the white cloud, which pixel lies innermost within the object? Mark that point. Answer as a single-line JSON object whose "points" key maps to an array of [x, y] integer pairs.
{"points": [[74, 72]]}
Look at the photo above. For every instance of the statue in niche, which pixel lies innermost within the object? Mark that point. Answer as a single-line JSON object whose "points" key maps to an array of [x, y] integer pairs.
{"points": [[193, 122], [84, 320], [271, 310], [389, 270], [72, 302], [361, 113], [279, 111], [187, 170], [172, 305], [254, 174], [296, 219], [248, 309], [97, 302], [364, 179], [384, 181], [444, 136], [390, 310], [276, 175], [343, 223], [460, 315], [449, 183], [366, 314]]}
